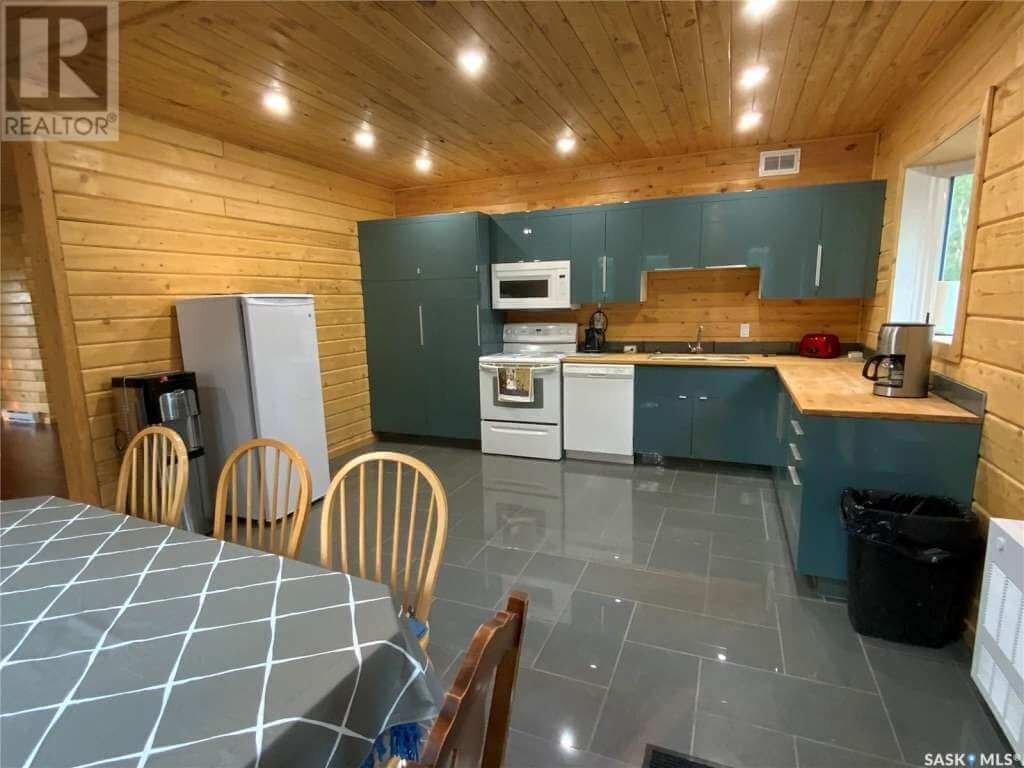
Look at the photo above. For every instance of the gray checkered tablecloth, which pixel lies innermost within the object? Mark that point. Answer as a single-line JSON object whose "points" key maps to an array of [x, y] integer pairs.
{"points": [[125, 643]]}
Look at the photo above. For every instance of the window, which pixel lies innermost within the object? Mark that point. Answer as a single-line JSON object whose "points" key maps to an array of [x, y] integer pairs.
{"points": [[933, 234]]}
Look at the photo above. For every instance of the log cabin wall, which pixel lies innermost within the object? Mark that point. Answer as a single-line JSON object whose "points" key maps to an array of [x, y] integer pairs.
{"points": [[22, 382], [164, 214], [993, 348], [719, 300], [728, 170]]}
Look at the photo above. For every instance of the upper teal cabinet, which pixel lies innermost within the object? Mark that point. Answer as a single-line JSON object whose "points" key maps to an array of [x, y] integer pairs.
{"points": [[851, 233], [537, 236], [623, 242], [587, 255], [448, 246], [764, 229], [671, 234]]}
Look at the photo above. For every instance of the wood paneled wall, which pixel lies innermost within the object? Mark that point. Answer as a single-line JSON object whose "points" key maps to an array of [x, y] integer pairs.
{"points": [[719, 299], [164, 214], [22, 382], [993, 350], [729, 170]]}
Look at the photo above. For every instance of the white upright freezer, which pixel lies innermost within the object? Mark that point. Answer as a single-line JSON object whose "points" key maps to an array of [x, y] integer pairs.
{"points": [[258, 372]]}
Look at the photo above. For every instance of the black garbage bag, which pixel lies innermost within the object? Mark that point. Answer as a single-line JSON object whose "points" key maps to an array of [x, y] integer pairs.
{"points": [[910, 563]]}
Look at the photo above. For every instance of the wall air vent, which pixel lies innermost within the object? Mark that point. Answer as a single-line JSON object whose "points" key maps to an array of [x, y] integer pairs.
{"points": [[780, 162]]}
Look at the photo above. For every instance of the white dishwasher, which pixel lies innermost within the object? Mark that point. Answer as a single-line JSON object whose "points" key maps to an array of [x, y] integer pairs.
{"points": [[597, 408]]}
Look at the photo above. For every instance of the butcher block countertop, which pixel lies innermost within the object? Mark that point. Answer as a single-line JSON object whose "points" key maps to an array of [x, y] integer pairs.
{"points": [[818, 387]]}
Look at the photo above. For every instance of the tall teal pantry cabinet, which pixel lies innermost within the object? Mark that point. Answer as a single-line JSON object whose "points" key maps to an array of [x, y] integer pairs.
{"points": [[427, 307]]}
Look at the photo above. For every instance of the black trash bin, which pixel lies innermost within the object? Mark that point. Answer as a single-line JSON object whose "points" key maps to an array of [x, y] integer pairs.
{"points": [[911, 565]]}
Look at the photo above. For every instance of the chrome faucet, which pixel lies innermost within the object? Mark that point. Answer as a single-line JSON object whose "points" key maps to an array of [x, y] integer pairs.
{"points": [[698, 347]]}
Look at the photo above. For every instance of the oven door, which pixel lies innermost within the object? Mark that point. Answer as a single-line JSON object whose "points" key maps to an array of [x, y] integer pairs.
{"points": [[530, 286], [545, 408]]}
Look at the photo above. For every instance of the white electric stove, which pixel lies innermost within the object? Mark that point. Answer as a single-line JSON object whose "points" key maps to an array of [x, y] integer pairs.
{"points": [[532, 427]]}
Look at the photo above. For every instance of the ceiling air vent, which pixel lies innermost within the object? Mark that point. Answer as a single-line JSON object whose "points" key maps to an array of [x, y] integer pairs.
{"points": [[780, 162]]}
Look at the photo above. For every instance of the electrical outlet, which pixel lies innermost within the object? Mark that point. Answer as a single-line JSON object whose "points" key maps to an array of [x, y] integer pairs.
{"points": [[629, 349], [744, 330]]}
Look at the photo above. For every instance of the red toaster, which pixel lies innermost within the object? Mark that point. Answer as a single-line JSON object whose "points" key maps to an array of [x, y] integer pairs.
{"points": [[819, 345]]}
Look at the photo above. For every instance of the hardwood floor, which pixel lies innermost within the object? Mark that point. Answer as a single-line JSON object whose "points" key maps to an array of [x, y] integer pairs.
{"points": [[30, 461]]}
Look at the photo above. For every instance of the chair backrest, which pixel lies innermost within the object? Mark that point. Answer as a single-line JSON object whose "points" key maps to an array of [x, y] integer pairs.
{"points": [[396, 524], [153, 476], [472, 728], [266, 483]]}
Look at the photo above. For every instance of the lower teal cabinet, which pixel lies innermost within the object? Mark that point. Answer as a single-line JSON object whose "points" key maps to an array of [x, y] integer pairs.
{"points": [[395, 355], [450, 390], [663, 411], [734, 415], [826, 455], [423, 342], [719, 414]]}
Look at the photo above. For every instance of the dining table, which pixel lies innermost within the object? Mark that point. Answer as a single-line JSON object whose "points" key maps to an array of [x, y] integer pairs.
{"points": [[129, 643]]}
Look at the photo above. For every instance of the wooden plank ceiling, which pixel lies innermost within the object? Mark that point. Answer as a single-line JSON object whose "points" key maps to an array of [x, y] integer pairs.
{"points": [[627, 80]]}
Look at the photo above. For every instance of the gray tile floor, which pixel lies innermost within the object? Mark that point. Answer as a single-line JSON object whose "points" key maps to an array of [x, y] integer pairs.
{"points": [[664, 609]]}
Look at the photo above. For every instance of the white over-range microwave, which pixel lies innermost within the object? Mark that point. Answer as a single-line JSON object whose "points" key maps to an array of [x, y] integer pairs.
{"points": [[530, 285]]}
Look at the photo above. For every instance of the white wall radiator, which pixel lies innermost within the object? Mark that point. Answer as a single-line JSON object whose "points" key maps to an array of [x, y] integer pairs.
{"points": [[998, 665]]}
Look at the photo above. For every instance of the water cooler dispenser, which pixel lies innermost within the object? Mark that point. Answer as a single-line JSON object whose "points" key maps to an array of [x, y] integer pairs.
{"points": [[168, 399]]}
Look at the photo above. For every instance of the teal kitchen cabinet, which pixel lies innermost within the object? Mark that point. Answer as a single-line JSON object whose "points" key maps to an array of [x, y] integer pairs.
{"points": [[663, 410], [452, 343], [587, 257], [671, 234], [827, 454], [550, 236], [395, 356], [427, 325], [509, 238], [623, 246], [775, 230], [444, 246], [734, 415], [851, 233], [715, 413], [538, 236]]}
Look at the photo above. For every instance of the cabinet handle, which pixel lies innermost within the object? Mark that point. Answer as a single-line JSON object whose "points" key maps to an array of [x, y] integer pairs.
{"points": [[419, 310], [793, 476], [795, 451], [478, 325], [682, 397], [817, 269], [796, 427], [702, 397], [604, 274]]}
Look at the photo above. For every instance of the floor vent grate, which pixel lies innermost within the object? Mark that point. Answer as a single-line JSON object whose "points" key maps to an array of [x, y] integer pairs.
{"points": [[659, 757]]}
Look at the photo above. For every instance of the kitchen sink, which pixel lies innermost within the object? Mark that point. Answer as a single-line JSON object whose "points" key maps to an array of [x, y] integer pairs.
{"points": [[710, 357]]}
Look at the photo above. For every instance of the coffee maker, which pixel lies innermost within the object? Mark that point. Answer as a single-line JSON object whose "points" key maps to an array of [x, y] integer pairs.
{"points": [[168, 399], [593, 339], [903, 362]]}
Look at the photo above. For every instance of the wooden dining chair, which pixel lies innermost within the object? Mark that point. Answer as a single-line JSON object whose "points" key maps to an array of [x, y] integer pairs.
{"points": [[153, 476], [266, 483], [395, 521], [472, 727]]}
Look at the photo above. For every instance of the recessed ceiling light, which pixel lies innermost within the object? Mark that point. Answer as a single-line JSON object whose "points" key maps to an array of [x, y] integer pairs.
{"points": [[364, 138], [566, 144], [753, 76], [472, 61], [758, 9], [276, 102], [749, 120], [423, 163]]}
